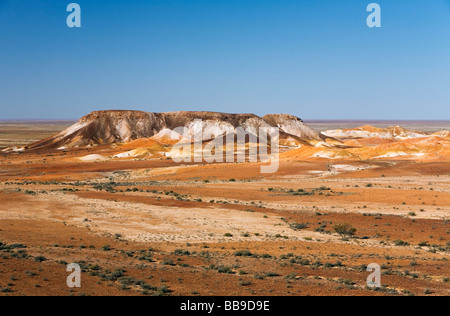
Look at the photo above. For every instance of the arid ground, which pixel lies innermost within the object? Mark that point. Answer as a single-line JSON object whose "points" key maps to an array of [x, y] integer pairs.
{"points": [[149, 226]]}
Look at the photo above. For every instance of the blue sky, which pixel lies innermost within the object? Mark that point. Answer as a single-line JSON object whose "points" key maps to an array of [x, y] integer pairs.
{"points": [[315, 59]]}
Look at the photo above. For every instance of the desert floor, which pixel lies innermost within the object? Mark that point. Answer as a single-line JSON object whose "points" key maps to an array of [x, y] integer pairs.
{"points": [[154, 227]]}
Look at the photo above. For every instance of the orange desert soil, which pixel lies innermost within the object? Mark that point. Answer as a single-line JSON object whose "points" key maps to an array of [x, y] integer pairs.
{"points": [[154, 227]]}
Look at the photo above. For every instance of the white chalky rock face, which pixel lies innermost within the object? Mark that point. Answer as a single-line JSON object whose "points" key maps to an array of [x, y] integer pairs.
{"points": [[93, 158], [332, 154], [393, 154], [13, 149], [138, 153], [443, 134], [169, 134], [396, 133], [292, 125], [207, 129], [73, 129]]}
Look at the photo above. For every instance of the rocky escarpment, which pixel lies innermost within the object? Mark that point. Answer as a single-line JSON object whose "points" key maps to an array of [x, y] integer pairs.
{"points": [[109, 127]]}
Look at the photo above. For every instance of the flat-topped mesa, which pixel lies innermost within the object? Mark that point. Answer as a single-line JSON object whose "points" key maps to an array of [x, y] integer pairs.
{"points": [[116, 126], [183, 118]]}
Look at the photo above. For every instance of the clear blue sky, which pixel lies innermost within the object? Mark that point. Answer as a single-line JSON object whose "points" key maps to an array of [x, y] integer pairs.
{"points": [[315, 58]]}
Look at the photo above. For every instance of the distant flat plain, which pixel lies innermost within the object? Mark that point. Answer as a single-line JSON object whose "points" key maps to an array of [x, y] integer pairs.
{"points": [[20, 133]]}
